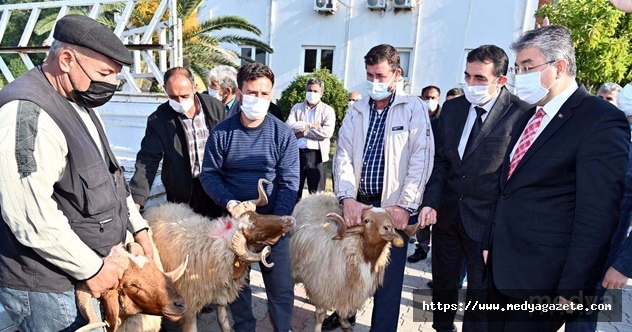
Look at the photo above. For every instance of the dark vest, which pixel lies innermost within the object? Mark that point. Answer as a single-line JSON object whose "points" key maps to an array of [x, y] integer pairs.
{"points": [[91, 192]]}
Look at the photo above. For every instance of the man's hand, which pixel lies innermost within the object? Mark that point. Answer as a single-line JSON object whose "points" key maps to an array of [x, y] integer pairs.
{"points": [[299, 135], [485, 254], [314, 126], [236, 209], [400, 216], [107, 278], [614, 279], [352, 211], [138, 207], [272, 242], [427, 216], [145, 241]]}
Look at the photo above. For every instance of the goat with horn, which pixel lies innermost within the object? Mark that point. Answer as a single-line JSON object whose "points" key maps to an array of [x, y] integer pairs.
{"points": [[352, 258], [142, 289], [219, 250]]}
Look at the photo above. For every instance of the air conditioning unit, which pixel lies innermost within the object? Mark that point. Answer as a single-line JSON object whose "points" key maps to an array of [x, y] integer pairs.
{"points": [[327, 6], [376, 4], [403, 4]]}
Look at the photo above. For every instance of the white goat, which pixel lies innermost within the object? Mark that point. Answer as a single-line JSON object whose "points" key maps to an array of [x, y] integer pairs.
{"points": [[219, 250], [352, 259]]}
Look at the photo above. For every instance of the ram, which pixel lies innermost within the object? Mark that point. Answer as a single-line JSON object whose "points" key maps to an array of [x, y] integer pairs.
{"points": [[143, 288], [353, 259], [219, 252]]}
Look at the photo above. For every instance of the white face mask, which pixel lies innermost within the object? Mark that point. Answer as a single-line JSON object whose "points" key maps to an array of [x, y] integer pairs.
{"points": [[215, 94], [624, 100], [312, 97], [432, 104], [529, 87], [350, 104], [181, 107], [254, 108], [478, 94], [377, 90]]}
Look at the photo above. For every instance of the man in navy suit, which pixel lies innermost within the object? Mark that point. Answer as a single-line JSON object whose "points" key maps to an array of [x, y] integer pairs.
{"points": [[561, 187], [471, 137]]}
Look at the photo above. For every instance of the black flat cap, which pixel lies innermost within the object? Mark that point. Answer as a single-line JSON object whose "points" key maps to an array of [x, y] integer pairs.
{"points": [[83, 31]]}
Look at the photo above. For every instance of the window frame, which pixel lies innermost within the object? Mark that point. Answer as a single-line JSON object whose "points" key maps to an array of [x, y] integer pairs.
{"points": [[319, 50], [253, 50]]}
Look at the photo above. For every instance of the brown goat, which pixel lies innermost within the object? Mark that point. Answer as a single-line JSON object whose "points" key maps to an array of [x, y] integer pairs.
{"points": [[220, 251], [352, 259], [142, 289]]}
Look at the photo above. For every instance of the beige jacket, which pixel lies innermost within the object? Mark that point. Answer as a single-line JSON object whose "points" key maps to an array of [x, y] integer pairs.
{"points": [[325, 116], [408, 151]]}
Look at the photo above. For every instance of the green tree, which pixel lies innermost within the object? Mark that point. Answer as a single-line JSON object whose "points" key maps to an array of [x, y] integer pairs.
{"points": [[201, 41], [335, 94], [601, 36]]}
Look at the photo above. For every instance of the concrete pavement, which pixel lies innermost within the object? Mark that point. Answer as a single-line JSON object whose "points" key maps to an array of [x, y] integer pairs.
{"points": [[417, 275]]}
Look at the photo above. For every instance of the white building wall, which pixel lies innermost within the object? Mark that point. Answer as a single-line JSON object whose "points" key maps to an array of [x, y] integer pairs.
{"points": [[437, 33]]}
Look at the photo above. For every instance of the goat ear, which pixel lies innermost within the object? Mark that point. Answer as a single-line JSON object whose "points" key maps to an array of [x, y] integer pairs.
{"points": [[397, 241], [110, 304], [239, 268], [179, 271], [355, 230]]}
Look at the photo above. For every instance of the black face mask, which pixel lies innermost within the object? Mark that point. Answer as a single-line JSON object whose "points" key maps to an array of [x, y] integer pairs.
{"points": [[97, 94]]}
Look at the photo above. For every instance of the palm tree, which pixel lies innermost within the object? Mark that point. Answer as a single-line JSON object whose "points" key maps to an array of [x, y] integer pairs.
{"points": [[200, 40]]}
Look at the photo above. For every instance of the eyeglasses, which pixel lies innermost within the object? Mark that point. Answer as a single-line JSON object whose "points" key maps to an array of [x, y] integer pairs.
{"points": [[524, 70]]}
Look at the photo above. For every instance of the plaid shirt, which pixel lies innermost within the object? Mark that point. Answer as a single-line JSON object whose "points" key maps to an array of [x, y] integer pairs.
{"points": [[197, 133], [372, 176]]}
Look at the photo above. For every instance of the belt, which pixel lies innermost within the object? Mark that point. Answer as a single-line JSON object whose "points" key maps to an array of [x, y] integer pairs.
{"points": [[369, 198]]}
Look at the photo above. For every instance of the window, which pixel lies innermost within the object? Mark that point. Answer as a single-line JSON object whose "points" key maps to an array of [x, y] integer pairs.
{"points": [[317, 57], [404, 62], [254, 53]]}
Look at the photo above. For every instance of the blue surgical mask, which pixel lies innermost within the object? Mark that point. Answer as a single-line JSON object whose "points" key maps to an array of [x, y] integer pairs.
{"points": [[378, 90]]}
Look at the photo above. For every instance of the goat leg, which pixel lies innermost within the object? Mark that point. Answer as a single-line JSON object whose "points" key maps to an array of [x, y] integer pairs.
{"points": [[345, 325], [189, 323], [222, 319], [92, 326], [320, 318]]}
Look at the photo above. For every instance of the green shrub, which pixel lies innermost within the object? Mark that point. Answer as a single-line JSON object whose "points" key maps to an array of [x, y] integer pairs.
{"points": [[335, 94]]}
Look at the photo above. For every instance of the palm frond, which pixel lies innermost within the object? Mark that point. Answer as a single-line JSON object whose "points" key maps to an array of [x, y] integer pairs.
{"points": [[240, 40], [187, 8], [228, 22]]}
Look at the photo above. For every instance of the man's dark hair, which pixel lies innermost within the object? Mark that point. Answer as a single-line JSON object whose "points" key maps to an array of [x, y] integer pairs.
{"points": [[382, 52], [490, 53], [178, 71], [430, 87], [252, 71], [454, 92]]}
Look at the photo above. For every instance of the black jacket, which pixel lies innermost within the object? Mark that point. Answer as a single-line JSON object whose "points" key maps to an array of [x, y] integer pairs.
{"points": [[471, 183], [165, 140]]}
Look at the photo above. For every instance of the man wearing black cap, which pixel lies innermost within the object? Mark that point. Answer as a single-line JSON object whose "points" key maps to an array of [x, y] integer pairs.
{"points": [[63, 197]]}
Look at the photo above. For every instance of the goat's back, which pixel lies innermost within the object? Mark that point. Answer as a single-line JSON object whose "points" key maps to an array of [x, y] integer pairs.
{"points": [[333, 272], [179, 232]]}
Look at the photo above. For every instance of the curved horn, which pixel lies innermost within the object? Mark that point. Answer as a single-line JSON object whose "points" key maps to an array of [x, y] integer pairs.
{"points": [[84, 304], [241, 249], [135, 248], [410, 230], [178, 271], [263, 198], [342, 227], [264, 256]]}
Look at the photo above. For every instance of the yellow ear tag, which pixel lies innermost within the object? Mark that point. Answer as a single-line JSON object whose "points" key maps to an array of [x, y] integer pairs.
{"points": [[398, 242], [237, 264]]}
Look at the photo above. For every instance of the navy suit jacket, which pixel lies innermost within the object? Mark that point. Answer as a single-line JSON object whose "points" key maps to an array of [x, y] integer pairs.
{"points": [[472, 183], [555, 217]]}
